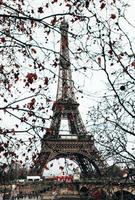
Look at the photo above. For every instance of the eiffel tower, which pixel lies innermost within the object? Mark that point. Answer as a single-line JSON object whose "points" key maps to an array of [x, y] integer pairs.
{"points": [[78, 145]]}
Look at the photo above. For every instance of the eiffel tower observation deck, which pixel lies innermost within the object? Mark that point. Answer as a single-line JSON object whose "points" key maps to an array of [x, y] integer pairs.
{"points": [[81, 147]]}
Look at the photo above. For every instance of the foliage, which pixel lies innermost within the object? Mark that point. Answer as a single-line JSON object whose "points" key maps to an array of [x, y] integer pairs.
{"points": [[114, 171], [12, 172]]}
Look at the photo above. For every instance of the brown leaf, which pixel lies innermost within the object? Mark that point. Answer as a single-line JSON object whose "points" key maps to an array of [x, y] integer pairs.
{"points": [[46, 81], [31, 105], [99, 60], [6, 145], [17, 66], [68, 5], [5, 154], [23, 119], [53, 21], [31, 77], [110, 52], [1, 149], [133, 64], [47, 5], [113, 16], [54, 1], [87, 3], [79, 49], [33, 24], [61, 168], [55, 64], [102, 5], [40, 10], [1, 2], [2, 39], [33, 50]]}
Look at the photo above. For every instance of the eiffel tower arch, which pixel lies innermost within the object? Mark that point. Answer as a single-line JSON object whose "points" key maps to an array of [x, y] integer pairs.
{"points": [[79, 144]]}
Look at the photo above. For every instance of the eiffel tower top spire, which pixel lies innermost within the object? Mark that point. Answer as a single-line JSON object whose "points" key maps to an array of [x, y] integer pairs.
{"points": [[65, 83], [64, 49]]}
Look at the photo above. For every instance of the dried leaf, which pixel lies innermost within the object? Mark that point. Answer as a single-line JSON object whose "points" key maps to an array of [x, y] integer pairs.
{"points": [[17, 66], [46, 81], [1, 2], [53, 21], [33, 50], [31, 105], [113, 16], [31, 77], [2, 39], [40, 10], [102, 5], [99, 60], [87, 3], [133, 64]]}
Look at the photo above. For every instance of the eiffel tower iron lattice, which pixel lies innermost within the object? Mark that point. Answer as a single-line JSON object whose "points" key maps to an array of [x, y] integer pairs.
{"points": [[81, 147]]}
